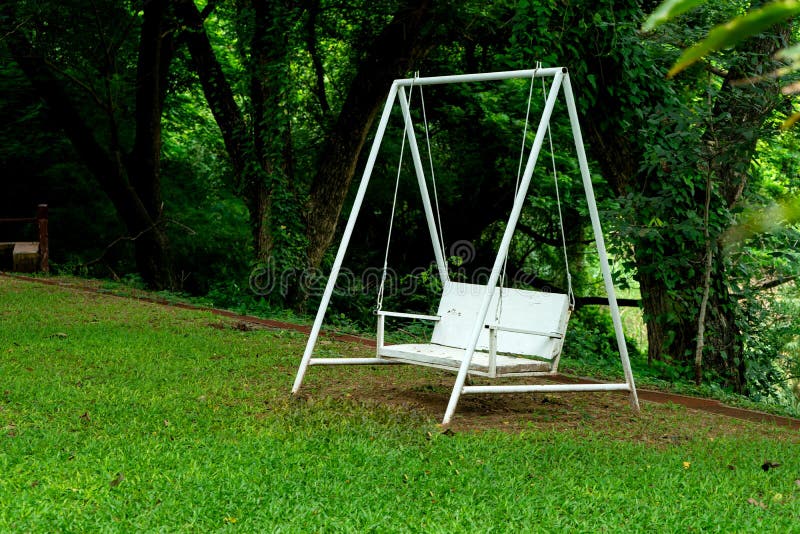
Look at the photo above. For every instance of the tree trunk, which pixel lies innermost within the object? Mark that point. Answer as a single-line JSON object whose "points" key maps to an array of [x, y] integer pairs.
{"points": [[390, 56], [131, 182], [255, 161], [269, 88], [153, 258], [218, 93]]}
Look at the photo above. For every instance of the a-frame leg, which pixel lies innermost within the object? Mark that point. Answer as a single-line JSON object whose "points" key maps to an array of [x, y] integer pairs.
{"points": [[519, 201], [348, 232], [560, 80], [423, 187], [600, 242]]}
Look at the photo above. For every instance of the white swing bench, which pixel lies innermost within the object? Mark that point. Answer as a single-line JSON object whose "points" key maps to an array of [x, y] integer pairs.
{"points": [[510, 332], [523, 337]]}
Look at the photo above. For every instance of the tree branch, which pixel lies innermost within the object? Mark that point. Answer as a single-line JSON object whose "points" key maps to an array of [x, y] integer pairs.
{"points": [[603, 301], [158, 222], [80, 83], [311, 42], [210, 6], [216, 89], [400, 44], [775, 282], [701, 315], [552, 241], [722, 73]]}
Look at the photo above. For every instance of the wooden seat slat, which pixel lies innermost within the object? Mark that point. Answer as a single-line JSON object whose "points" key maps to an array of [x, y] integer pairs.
{"points": [[449, 358]]}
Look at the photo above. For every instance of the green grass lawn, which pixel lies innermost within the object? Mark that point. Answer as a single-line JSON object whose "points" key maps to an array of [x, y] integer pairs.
{"points": [[117, 415]]}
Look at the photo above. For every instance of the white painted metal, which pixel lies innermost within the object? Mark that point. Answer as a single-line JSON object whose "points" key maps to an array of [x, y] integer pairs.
{"points": [[522, 311], [467, 356], [482, 77], [599, 241], [493, 352], [350, 361], [348, 232], [423, 187], [450, 358], [379, 334], [545, 388], [382, 314], [504, 244], [408, 315], [501, 328]]}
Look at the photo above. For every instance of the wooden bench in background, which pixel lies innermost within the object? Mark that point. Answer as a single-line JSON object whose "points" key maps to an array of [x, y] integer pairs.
{"points": [[27, 256]]}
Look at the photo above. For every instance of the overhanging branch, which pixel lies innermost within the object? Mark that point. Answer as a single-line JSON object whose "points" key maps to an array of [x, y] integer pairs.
{"points": [[547, 240], [603, 301], [775, 282]]}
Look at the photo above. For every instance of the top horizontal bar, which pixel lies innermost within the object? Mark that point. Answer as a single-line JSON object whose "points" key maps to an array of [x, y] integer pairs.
{"points": [[481, 77]]}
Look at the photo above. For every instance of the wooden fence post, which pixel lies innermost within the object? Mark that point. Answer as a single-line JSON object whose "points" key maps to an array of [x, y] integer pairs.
{"points": [[44, 247]]}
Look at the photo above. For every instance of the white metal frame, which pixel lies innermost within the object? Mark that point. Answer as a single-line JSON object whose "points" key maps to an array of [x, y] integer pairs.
{"points": [[561, 81]]}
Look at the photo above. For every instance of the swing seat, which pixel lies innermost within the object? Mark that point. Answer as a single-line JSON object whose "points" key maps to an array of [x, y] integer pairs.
{"points": [[523, 334]]}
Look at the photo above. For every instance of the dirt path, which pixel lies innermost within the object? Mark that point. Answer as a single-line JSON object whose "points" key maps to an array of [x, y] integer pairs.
{"points": [[500, 403]]}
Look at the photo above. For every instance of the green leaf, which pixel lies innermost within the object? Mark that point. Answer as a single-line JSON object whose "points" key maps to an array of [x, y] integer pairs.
{"points": [[667, 11], [788, 123], [790, 53], [736, 30]]}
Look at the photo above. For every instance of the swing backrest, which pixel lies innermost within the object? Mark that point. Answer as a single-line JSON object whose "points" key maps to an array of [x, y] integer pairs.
{"points": [[542, 315]]}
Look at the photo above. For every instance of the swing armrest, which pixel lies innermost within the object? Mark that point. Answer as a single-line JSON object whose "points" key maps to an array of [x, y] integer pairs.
{"points": [[501, 328], [382, 316], [409, 315]]}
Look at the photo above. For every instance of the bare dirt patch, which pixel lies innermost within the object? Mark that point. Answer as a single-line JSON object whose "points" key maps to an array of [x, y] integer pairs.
{"points": [[418, 389]]}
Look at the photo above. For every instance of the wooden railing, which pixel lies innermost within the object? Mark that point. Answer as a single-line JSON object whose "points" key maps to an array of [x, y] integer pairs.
{"points": [[42, 246]]}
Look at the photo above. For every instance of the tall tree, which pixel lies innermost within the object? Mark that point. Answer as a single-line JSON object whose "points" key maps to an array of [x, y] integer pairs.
{"points": [[261, 148], [392, 53], [681, 184], [87, 69]]}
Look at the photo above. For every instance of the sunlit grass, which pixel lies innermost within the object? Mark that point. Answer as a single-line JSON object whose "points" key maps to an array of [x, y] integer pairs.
{"points": [[124, 416]]}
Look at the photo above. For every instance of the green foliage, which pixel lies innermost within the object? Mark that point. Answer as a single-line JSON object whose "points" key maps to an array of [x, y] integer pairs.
{"points": [[733, 32], [772, 343], [209, 234], [737, 30], [591, 340], [757, 261], [660, 227], [39, 164], [669, 10]]}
